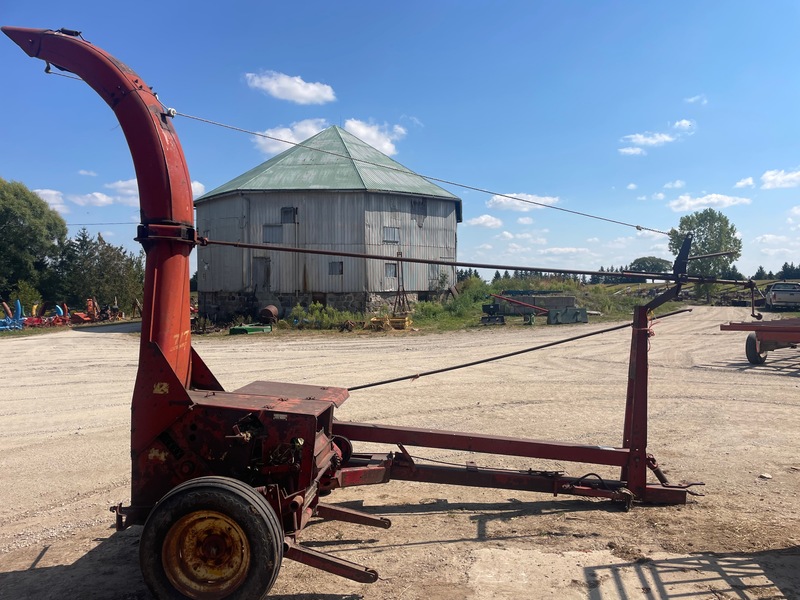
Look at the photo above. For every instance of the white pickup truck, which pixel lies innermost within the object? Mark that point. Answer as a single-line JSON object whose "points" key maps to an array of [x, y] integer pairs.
{"points": [[783, 294]]}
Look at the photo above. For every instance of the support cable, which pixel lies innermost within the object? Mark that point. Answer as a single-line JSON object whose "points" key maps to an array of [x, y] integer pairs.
{"points": [[428, 177], [454, 263], [502, 356]]}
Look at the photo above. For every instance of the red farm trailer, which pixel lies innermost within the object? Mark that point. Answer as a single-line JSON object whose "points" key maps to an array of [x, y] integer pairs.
{"points": [[224, 482], [766, 336]]}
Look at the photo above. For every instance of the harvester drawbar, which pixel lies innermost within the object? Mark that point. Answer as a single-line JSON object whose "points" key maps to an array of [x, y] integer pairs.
{"points": [[225, 482]]}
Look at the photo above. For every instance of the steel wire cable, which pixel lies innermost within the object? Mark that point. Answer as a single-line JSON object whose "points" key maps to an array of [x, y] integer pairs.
{"points": [[506, 355], [173, 112], [427, 177]]}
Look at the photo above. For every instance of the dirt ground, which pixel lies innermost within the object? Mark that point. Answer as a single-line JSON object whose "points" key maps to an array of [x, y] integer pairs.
{"points": [[64, 447]]}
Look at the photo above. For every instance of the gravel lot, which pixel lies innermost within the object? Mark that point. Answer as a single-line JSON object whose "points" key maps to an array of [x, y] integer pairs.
{"points": [[64, 459]]}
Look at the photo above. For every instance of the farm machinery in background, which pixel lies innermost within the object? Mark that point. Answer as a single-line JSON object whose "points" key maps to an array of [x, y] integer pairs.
{"points": [[556, 308], [14, 319], [95, 313], [224, 482], [44, 315]]}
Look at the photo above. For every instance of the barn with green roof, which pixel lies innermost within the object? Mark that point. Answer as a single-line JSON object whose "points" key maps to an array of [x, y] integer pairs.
{"points": [[332, 192]]}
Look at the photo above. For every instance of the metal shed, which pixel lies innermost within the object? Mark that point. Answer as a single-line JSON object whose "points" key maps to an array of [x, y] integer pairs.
{"points": [[332, 192]]}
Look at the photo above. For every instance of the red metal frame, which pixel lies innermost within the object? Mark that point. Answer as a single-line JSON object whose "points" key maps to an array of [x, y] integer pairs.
{"points": [[282, 438], [770, 335]]}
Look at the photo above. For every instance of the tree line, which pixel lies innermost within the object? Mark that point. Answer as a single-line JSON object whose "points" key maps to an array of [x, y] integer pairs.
{"points": [[39, 263]]}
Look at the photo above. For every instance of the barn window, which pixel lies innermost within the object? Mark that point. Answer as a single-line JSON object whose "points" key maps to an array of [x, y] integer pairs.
{"points": [[273, 234], [335, 267], [289, 214], [391, 235], [390, 269]]}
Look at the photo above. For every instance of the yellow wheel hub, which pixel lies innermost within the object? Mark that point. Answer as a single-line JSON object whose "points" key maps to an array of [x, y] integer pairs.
{"points": [[206, 555]]}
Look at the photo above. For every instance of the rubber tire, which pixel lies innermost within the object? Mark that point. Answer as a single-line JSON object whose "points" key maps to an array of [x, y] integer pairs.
{"points": [[751, 350], [235, 499]]}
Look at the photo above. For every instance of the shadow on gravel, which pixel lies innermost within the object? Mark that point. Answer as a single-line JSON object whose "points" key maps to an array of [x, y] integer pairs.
{"points": [[129, 327], [781, 362], [768, 574], [110, 571], [481, 513]]}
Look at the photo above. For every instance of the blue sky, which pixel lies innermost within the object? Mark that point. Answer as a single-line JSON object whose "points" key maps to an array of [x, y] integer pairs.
{"points": [[636, 111]]}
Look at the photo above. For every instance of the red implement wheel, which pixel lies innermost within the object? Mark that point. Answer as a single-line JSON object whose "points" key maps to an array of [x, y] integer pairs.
{"points": [[751, 349], [211, 538]]}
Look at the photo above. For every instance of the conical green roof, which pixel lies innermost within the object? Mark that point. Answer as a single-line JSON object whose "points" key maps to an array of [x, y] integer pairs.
{"points": [[333, 160]]}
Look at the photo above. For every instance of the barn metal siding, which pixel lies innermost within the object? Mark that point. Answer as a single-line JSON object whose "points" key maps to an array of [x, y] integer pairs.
{"points": [[326, 220], [350, 221], [219, 268], [432, 237]]}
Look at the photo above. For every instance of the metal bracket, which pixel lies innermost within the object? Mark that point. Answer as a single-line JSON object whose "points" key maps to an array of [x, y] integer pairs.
{"points": [[166, 231]]}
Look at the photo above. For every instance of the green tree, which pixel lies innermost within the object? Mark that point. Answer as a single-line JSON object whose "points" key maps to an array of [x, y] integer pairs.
{"points": [[649, 264], [713, 232], [32, 233], [760, 273], [93, 268]]}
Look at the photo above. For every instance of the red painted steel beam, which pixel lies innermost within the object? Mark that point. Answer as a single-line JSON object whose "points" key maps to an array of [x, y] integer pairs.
{"points": [[325, 562], [165, 196], [635, 425], [165, 191], [783, 330], [452, 440]]}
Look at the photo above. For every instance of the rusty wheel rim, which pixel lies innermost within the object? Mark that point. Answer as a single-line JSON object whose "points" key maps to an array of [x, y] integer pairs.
{"points": [[206, 555]]}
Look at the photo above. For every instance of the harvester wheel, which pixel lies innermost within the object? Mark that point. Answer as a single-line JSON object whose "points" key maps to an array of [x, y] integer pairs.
{"points": [[751, 350], [211, 538]]}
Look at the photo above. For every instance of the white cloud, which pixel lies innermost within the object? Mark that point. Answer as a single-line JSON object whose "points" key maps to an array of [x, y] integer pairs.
{"points": [[87, 173], [505, 235], [593, 240], [381, 137], [686, 203], [658, 196], [631, 151], [54, 198], [296, 133], [746, 182], [620, 242], [631, 186], [795, 211], [485, 247], [645, 233], [641, 197], [486, 221], [520, 202], [516, 249], [525, 221], [563, 251], [699, 99], [775, 179], [530, 238], [648, 139], [198, 189], [771, 238], [775, 251], [287, 87], [413, 119], [684, 125], [675, 185], [93, 199], [126, 192]]}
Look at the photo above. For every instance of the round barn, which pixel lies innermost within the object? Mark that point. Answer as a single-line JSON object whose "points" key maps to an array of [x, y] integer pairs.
{"points": [[332, 192]]}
